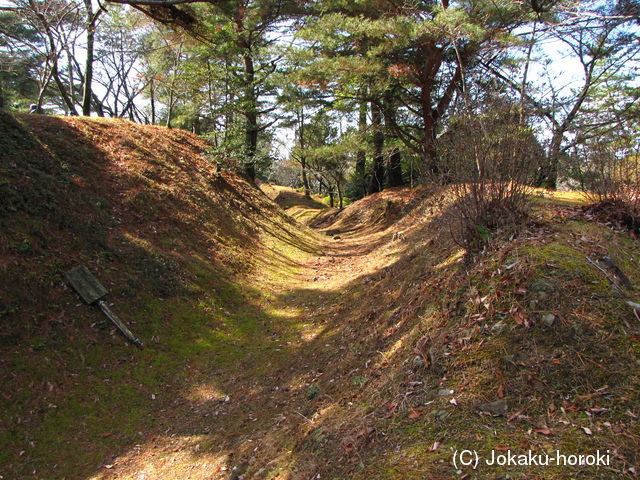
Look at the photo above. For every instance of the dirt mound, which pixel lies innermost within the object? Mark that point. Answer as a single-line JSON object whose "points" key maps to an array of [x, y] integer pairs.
{"points": [[528, 345], [131, 202], [171, 238], [382, 210], [304, 209]]}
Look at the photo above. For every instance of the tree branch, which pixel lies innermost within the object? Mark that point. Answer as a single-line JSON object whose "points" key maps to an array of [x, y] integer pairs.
{"points": [[157, 3]]}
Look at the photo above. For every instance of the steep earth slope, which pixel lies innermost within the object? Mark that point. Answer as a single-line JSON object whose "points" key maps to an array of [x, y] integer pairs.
{"points": [[524, 356], [174, 241]]}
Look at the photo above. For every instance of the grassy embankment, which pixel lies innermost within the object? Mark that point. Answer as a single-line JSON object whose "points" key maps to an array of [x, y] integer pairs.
{"points": [[175, 244], [275, 352]]}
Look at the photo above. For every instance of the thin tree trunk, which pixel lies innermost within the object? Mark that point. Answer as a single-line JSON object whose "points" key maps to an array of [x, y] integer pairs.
{"points": [[87, 92], [523, 86], [170, 112], [45, 84], [394, 168], [152, 98], [71, 79], [377, 169], [305, 177], [361, 156], [251, 116], [303, 159]]}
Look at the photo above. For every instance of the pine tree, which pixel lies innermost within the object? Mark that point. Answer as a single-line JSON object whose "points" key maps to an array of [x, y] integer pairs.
{"points": [[412, 58]]}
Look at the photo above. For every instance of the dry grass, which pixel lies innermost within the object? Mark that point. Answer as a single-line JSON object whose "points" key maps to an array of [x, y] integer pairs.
{"points": [[481, 329], [302, 209]]}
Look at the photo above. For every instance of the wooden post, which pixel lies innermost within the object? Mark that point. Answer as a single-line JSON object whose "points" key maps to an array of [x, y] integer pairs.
{"points": [[125, 331]]}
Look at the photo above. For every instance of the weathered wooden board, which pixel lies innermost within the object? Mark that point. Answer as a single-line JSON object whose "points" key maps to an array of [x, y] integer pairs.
{"points": [[91, 291], [87, 286]]}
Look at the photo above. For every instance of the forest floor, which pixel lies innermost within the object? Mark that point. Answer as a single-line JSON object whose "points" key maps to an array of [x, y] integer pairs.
{"points": [[352, 377], [256, 412], [370, 346]]}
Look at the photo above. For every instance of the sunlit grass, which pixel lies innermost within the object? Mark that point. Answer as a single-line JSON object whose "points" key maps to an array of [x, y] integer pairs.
{"points": [[451, 260], [568, 198]]}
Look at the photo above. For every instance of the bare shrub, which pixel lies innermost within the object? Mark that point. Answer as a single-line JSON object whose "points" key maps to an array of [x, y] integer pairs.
{"points": [[491, 159], [612, 174], [611, 180]]}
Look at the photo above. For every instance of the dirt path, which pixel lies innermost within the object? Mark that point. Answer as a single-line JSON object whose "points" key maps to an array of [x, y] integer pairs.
{"points": [[244, 420]]}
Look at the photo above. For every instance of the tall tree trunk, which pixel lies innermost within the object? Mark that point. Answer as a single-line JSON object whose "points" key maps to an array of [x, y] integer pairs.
{"points": [[228, 96], [87, 91], [43, 88], [548, 177], [429, 151], [305, 177], [170, 112], [97, 104], [63, 91], [71, 75], [361, 156], [394, 168], [340, 200], [152, 99], [303, 158], [431, 114], [251, 116], [433, 55], [251, 144], [523, 85], [377, 169], [176, 58]]}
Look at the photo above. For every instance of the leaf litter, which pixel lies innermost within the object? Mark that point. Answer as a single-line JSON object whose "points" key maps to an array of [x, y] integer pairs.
{"points": [[377, 299]]}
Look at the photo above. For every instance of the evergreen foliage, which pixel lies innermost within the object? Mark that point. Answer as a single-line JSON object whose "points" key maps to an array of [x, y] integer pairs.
{"points": [[389, 79]]}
